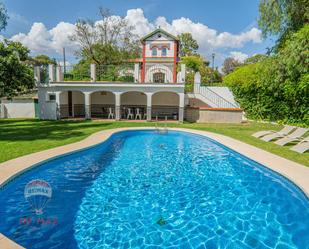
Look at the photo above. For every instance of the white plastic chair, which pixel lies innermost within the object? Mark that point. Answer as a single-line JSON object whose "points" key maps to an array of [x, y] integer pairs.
{"points": [[138, 114], [130, 114], [111, 114]]}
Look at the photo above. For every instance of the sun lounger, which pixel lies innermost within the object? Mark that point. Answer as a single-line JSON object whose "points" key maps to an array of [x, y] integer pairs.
{"points": [[298, 133], [286, 130], [290, 138], [302, 146]]}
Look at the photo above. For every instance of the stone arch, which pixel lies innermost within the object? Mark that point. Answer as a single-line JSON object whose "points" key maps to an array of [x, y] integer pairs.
{"points": [[165, 104], [133, 100], [156, 69], [100, 102]]}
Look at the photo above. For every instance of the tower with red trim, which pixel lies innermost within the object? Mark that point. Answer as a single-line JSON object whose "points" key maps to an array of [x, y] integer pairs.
{"points": [[159, 57]]}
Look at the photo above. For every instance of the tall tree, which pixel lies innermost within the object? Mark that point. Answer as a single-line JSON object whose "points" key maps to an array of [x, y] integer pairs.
{"points": [[255, 59], [3, 17], [42, 60], [188, 45], [229, 65], [282, 17], [16, 76], [109, 40]]}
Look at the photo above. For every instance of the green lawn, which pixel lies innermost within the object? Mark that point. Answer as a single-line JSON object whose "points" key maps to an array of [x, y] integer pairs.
{"points": [[24, 136]]}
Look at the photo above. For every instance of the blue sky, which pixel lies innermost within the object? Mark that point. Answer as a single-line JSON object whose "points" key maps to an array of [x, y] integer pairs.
{"points": [[238, 18]]}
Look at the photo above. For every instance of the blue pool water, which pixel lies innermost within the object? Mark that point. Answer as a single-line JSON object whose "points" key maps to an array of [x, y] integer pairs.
{"points": [[141, 189]]}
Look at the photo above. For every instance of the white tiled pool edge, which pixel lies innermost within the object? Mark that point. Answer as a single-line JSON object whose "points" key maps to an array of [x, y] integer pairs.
{"points": [[295, 172]]}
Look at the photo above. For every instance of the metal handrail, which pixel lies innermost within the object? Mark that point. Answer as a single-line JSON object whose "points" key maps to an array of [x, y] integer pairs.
{"points": [[217, 100]]}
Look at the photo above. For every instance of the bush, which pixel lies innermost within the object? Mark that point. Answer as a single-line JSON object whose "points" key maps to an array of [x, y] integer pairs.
{"points": [[277, 88]]}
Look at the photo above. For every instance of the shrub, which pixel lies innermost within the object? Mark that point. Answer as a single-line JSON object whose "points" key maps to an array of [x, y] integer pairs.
{"points": [[276, 88]]}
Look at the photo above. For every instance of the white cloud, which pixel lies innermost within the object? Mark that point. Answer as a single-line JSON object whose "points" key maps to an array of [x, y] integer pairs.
{"points": [[239, 56], [207, 38], [41, 40]]}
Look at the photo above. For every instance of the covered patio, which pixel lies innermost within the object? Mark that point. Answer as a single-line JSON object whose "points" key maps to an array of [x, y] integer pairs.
{"points": [[102, 105], [72, 104], [133, 105], [114, 101]]}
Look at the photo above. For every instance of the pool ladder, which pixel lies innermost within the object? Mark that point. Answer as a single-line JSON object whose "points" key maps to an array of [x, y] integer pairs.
{"points": [[161, 130]]}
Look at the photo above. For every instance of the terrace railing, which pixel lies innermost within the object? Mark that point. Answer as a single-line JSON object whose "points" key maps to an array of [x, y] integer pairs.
{"points": [[76, 73], [41, 74], [122, 72], [119, 72]]}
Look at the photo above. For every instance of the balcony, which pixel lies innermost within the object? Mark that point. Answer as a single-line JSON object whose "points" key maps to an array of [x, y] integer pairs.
{"points": [[132, 73]]}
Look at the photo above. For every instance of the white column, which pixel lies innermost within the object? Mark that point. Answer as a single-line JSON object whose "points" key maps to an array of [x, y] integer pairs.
{"points": [[183, 73], [58, 116], [87, 106], [93, 72], [136, 72], [181, 106], [149, 104], [59, 75], [197, 82], [117, 106], [37, 75], [51, 72]]}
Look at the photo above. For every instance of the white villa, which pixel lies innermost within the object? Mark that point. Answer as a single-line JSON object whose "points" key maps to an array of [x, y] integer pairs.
{"points": [[149, 88]]}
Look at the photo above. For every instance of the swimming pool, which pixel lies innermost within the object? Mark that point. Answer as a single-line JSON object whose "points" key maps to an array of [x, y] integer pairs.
{"points": [[142, 189]]}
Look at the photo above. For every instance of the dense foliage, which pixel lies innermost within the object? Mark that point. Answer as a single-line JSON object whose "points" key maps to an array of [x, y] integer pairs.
{"points": [[276, 87], [283, 17], [16, 76], [188, 45]]}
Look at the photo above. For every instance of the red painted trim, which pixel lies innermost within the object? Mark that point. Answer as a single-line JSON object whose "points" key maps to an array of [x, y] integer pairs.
{"points": [[144, 63], [156, 57], [216, 109], [158, 46], [175, 62]]}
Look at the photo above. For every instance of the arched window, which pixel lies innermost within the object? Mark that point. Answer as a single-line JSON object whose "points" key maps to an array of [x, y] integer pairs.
{"points": [[154, 52], [164, 51]]}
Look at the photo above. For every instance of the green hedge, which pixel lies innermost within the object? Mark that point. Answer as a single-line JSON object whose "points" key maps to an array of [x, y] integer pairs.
{"points": [[277, 88]]}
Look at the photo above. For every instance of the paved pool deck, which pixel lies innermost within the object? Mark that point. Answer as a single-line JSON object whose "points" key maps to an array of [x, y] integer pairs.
{"points": [[297, 173]]}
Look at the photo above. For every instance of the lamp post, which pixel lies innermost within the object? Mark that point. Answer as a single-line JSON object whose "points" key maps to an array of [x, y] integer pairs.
{"points": [[213, 67], [64, 66]]}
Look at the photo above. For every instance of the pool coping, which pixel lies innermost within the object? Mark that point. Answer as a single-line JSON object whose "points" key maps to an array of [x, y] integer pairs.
{"points": [[295, 172]]}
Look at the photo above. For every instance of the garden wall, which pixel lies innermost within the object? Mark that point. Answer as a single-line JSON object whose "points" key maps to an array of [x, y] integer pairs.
{"points": [[17, 108], [213, 115]]}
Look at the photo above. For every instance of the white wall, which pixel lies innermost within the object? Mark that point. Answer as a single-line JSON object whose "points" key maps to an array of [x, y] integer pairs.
{"points": [[78, 98], [165, 98], [47, 109], [155, 40], [17, 108], [64, 98], [197, 103], [105, 98], [133, 98]]}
